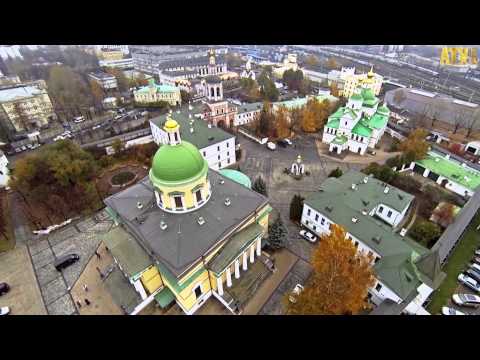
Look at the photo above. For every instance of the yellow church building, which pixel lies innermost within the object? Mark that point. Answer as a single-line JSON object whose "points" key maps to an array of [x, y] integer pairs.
{"points": [[187, 233], [370, 80]]}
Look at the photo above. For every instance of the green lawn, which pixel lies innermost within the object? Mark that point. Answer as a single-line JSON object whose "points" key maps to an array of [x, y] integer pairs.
{"points": [[455, 265]]}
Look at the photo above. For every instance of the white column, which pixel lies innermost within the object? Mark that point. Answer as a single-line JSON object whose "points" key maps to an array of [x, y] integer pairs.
{"points": [[229, 278], [237, 269], [252, 253], [219, 286], [245, 267], [140, 289], [259, 247]]}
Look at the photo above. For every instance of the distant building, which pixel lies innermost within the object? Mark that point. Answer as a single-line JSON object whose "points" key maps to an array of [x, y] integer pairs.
{"points": [[154, 93], [216, 145], [248, 73], [370, 80], [108, 54], [357, 126], [105, 80], [123, 48], [247, 113], [369, 211], [289, 63], [110, 103], [25, 107], [118, 64]]}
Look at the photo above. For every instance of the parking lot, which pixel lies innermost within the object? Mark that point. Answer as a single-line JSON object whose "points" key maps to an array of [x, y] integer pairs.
{"points": [[79, 238]]}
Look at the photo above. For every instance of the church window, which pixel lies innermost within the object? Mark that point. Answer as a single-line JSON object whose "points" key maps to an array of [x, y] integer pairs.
{"points": [[212, 92], [218, 91], [198, 196], [178, 202], [176, 136]]}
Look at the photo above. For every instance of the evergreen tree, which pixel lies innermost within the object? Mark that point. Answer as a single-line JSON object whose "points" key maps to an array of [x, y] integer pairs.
{"points": [[260, 186], [336, 173], [296, 207], [277, 234]]}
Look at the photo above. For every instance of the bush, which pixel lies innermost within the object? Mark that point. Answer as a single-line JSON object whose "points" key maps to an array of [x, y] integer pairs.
{"points": [[336, 173], [425, 232], [407, 183], [380, 172], [296, 208]]}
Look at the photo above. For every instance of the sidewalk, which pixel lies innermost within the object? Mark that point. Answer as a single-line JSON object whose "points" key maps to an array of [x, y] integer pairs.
{"points": [[284, 261]]}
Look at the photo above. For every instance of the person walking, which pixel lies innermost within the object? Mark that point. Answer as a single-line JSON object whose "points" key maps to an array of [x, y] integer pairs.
{"points": [[87, 302], [85, 287], [79, 304], [98, 255]]}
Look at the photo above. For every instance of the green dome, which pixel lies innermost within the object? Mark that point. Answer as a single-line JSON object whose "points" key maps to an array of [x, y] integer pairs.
{"points": [[383, 109], [368, 94], [356, 97], [237, 176], [177, 163]]}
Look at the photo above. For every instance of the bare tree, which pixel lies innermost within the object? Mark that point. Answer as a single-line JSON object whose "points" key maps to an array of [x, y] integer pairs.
{"points": [[459, 120], [471, 121]]}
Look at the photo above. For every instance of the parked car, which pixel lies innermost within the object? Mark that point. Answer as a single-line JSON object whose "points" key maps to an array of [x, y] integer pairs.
{"points": [[473, 274], [64, 261], [469, 282], [308, 235], [78, 119], [451, 311], [4, 310], [4, 288], [477, 252], [466, 300], [295, 292], [475, 267], [288, 141], [271, 145], [282, 143], [119, 117], [59, 137], [476, 260], [97, 127]]}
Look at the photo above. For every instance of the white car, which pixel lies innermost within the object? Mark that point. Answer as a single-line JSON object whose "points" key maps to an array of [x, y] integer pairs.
{"points": [[288, 141], [477, 252], [59, 137], [308, 235], [451, 311], [4, 310], [466, 300], [78, 119], [271, 145], [295, 292], [96, 127], [469, 282]]}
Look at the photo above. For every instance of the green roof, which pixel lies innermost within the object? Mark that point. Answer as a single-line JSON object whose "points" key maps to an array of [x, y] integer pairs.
{"points": [[340, 139], [356, 97], [452, 170], [247, 107], [165, 297], [368, 95], [377, 121], [132, 257], [361, 129], [159, 88], [202, 135], [333, 123], [177, 163], [299, 102], [237, 176], [234, 246], [337, 114], [384, 110], [338, 202]]}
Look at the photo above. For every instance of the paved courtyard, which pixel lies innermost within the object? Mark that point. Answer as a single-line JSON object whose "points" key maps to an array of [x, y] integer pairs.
{"points": [[80, 238], [24, 297]]}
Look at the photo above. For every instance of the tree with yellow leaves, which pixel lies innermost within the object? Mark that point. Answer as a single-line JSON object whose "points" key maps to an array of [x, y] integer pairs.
{"points": [[415, 144], [282, 125], [340, 279]]}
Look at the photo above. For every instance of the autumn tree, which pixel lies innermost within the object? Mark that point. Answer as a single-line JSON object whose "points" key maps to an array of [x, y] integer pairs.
{"points": [[122, 81], [334, 91], [59, 178], [282, 126], [97, 92], [332, 64], [70, 94], [444, 214], [471, 121], [117, 146], [337, 172], [425, 232], [266, 120], [267, 86], [296, 207], [459, 120], [340, 279], [415, 143], [312, 60], [315, 114]]}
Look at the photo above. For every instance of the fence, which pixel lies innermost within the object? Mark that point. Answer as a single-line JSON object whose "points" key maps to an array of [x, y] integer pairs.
{"points": [[254, 138]]}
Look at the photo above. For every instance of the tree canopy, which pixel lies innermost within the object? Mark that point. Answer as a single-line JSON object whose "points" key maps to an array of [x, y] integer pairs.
{"points": [[277, 234], [340, 278], [296, 207], [416, 144]]}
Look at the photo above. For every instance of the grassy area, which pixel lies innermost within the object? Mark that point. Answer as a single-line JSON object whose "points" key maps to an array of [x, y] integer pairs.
{"points": [[455, 265]]}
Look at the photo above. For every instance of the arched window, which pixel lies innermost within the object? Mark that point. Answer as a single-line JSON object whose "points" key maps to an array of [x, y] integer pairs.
{"points": [[218, 91], [212, 92]]}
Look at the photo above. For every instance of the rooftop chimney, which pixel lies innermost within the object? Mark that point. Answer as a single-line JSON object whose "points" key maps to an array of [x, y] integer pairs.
{"points": [[163, 225], [201, 220], [387, 189], [227, 202], [354, 220], [139, 205], [365, 179], [354, 186]]}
